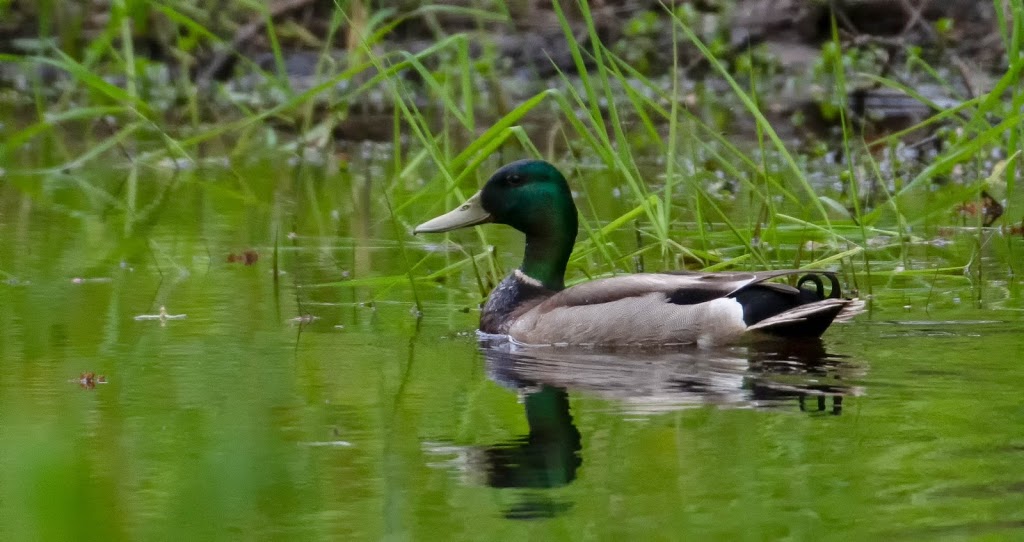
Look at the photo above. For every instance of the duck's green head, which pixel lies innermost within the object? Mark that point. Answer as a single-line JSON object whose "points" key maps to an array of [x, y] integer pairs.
{"points": [[529, 195], [532, 197]]}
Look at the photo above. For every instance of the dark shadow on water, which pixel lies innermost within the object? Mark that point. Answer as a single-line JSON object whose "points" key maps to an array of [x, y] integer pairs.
{"points": [[769, 375]]}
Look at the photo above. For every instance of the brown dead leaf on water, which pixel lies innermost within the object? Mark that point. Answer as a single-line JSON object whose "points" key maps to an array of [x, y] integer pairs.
{"points": [[247, 257]]}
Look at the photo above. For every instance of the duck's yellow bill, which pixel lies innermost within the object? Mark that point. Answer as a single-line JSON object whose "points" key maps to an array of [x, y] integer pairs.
{"points": [[468, 214]]}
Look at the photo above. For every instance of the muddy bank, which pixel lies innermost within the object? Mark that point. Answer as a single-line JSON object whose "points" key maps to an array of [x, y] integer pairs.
{"points": [[517, 49]]}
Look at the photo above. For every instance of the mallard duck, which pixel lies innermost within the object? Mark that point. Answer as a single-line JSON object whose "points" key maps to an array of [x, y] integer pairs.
{"points": [[533, 306]]}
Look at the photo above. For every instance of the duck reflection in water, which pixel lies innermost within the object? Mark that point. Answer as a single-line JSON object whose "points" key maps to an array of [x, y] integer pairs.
{"points": [[760, 375], [764, 375], [547, 457]]}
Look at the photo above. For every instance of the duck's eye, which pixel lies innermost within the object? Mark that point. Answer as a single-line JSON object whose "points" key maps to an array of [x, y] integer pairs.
{"points": [[515, 180]]}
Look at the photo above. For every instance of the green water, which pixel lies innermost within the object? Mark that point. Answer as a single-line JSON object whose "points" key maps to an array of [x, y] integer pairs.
{"points": [[237, 422]]}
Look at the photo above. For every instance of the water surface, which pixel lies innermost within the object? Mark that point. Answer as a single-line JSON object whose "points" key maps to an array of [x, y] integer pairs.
{"points": [[290, 409]]}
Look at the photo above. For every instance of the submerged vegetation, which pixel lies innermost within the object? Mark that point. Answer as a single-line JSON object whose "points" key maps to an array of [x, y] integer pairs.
{"points": [[689, 139]]}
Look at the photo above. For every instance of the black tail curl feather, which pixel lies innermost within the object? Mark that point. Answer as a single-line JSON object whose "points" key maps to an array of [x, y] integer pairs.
{"points": [[761, 301], [834, 289]]}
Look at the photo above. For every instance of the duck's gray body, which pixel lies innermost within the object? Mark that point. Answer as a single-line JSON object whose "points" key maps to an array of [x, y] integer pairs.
{"points": [[662, 309]]}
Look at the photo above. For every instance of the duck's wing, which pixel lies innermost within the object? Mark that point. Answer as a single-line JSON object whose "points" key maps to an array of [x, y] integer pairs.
{"points": [[682, 288], [664, 308]]}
